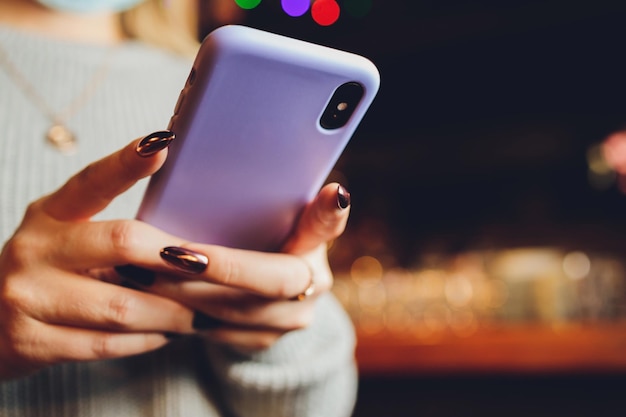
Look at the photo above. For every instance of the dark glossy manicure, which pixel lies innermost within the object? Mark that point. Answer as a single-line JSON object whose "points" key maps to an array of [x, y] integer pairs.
{"points": [[136, 274], [154, 143], [130, 285], [203, 322], [172, 336], [343, 197], [184, 259]]}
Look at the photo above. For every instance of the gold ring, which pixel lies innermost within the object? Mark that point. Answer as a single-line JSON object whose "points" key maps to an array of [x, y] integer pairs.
{"points": [[310, 289]]}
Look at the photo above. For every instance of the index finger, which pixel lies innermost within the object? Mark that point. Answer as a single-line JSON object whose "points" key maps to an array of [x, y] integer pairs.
{"points": [[92, 189], [274, 275]]}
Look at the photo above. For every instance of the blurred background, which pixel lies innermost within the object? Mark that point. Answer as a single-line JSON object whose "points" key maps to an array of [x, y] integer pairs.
{"points": [[483, 265]]}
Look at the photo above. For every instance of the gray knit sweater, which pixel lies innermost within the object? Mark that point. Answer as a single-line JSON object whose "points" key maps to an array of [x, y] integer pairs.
{"points": [[307, 373]]}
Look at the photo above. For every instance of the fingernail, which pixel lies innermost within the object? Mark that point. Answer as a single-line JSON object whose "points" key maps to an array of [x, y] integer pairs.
{"points": [[136, 274], [154, 143], [184, 259], [343, 197], [203, 322], [130, 285]]}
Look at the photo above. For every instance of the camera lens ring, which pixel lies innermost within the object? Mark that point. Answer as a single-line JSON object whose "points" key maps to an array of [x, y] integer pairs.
{"points": [[342, 105]]}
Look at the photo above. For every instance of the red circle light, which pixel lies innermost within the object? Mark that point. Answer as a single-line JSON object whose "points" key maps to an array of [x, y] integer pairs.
{"points": [[325, 12]]}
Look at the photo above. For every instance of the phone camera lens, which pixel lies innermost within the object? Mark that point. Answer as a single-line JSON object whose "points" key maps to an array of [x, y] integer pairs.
{"points": [[341, 105]]}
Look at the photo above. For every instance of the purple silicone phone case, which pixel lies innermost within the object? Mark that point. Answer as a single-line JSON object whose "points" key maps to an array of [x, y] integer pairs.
{"points": [[249, 151]]}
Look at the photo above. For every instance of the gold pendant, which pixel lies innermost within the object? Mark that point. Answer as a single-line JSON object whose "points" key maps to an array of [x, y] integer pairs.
{"points": [[62, 138]]}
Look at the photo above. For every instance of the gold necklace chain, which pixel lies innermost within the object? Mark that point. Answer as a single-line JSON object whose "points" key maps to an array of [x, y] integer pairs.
{"points": [[58, 135]]}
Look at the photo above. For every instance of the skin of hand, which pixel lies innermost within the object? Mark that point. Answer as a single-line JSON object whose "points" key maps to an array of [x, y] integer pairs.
{"points": [[246, 297], [59, 298], [53, 306]]}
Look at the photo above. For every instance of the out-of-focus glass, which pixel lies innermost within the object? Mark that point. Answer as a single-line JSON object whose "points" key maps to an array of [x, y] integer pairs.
{"points": [[462, 293]]}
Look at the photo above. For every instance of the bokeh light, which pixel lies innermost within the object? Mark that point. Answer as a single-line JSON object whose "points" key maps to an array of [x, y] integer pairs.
{"points": [[576, 265], [295, 8], [366, 271], [325, 12], [248, 4]]}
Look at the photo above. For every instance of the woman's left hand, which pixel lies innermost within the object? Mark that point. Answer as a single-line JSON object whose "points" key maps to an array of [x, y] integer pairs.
{"points": [[249, 299]]}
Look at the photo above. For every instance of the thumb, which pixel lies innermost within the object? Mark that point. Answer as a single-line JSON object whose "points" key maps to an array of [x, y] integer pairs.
{"points": [[92, 189], [322, 220]]}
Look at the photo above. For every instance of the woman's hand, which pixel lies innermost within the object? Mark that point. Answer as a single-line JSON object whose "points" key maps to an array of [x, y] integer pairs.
{"points": [[53, 307], [57, 298], [249, 299]]}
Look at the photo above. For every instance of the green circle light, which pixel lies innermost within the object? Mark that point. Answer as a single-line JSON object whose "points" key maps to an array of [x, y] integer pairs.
{"points": [[358, 8], [247, 4]]}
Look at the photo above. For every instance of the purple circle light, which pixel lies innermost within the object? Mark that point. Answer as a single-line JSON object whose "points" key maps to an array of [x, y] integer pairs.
{"points": [[295, 8]]}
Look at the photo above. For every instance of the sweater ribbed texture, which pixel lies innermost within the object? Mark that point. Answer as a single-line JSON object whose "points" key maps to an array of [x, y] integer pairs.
{"points": [[307, 373]]}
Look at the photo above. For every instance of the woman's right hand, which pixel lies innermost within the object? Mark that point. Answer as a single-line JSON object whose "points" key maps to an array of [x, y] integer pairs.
{"points": [[55, 306]]}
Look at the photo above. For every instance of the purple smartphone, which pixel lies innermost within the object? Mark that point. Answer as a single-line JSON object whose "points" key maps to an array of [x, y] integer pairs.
{"points": [[260, 123]]}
